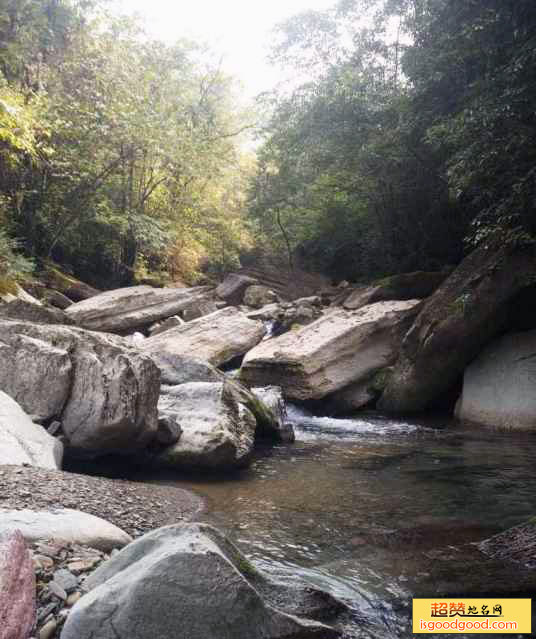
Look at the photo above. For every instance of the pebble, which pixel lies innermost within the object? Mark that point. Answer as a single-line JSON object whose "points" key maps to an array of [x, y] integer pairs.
{"points": [[43, 562], [48, 629], [66, 580], [57, 590], [82, 565], [73, 598], [46, 611]]}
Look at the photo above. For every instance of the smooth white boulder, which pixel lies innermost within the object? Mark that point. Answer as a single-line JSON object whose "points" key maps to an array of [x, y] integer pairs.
{"points": [[71, 526], [22, 441], [499, 387]]}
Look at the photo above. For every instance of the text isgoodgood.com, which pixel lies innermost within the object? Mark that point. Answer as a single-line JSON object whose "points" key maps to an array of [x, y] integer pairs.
{"points": [[459, 624]]}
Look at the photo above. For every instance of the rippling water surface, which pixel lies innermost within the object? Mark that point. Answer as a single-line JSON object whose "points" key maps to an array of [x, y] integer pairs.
{"points": [[377, 510]]}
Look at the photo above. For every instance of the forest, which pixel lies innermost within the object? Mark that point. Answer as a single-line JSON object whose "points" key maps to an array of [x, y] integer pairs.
{"points": [[267, 362], [402, 135]]}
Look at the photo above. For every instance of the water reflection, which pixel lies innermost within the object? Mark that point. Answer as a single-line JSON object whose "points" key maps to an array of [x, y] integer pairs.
{"points": [[376, 510]]}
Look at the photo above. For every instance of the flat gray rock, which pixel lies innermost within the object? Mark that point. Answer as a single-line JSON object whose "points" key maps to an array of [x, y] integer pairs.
{"points": [[126, 309], [71, 526], [334, 352], [216, 338]]}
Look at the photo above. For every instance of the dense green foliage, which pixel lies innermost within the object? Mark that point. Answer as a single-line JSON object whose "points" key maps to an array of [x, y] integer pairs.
{"points": [[405, 136], [414, 135], [119, 156]]}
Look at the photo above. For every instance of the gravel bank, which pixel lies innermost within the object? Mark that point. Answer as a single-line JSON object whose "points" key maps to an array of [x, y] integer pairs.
{"points": [[135, 507]]}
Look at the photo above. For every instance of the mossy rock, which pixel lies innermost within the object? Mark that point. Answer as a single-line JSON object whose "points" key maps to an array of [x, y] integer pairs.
{"points": [[54, 278]]}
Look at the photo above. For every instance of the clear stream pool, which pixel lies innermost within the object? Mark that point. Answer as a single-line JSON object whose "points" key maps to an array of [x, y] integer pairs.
{"points": [[377, 510]]}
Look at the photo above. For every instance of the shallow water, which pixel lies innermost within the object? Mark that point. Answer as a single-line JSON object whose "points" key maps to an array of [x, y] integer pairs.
{"points": [[376, 510]]}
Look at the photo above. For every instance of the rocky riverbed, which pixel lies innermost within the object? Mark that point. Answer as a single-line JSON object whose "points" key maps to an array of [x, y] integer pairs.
{"points": [[134, 507], [139, 374]]}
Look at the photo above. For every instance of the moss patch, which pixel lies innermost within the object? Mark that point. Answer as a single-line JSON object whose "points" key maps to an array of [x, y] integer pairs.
{"points": [[7, 285], [246, 567]]}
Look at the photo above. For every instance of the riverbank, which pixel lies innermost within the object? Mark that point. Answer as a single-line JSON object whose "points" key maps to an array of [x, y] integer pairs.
{"points": [[136, 508]]}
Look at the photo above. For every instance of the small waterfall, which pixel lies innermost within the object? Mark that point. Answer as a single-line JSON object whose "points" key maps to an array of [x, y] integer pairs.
{"points": [[269, 325], [309, 427]]}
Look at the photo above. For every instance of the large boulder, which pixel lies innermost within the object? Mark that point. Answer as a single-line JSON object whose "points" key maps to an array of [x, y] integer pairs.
{"points": [[337, 350], [187, 582], [218, 430], [216, 338], [257, 296], [104, 394], [22, 441], [499, 387], [465, 313], [17, 588], [127, 309], [71, 526], [36, 372], [233, 287], [406, 286]]}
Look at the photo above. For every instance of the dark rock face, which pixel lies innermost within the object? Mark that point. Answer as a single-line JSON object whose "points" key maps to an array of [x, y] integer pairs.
{"points": [[56, 299], [275, 425], [67, 285], [405, 286], [233, 288], [189, 582], [468, 310], [17, 588], [169, 431]]}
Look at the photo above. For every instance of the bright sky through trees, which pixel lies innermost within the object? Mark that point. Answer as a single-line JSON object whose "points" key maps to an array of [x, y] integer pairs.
{"points": [[238, 29]]}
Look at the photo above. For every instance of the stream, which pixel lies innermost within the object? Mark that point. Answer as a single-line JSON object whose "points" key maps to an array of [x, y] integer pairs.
{"points": [[377, 510]]}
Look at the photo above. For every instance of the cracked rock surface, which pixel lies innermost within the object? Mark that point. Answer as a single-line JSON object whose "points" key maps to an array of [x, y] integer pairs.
{"points": [[104, 394]]}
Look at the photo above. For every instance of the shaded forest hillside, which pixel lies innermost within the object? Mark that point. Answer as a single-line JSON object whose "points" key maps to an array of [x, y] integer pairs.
{"points": [[403, 136], [413, 141]]}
